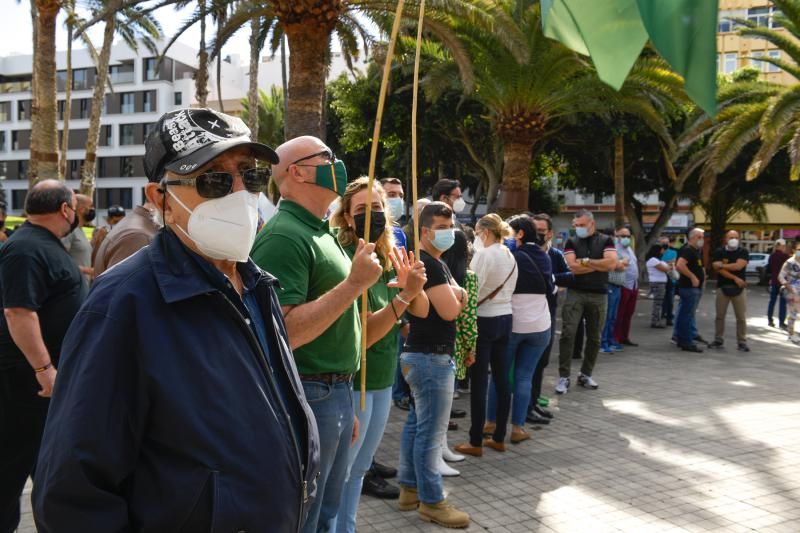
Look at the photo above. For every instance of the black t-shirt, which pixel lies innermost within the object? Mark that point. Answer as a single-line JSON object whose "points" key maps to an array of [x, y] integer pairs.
{"points": [[694, 263], [433, 329], [37, 273], [593, 247], [729, 257]]}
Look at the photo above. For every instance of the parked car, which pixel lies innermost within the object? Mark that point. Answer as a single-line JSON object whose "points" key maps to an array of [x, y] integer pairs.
{"points": [[757, 260]]}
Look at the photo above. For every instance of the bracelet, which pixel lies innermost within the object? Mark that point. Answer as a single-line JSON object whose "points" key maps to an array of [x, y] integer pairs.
{"points": [[391, 302], [401, 299], [42, 369]]}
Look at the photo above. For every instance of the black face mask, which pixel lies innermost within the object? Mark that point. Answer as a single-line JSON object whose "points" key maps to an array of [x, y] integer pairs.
{"points": [[73, 224], [89, 215], [376, 225], [540, 239], [2, 223]]}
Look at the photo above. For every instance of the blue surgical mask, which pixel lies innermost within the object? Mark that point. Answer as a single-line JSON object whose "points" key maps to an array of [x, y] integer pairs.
{"points": [[443, 239], [625, 241], [396, 207], [582, 233], [511, 243]]}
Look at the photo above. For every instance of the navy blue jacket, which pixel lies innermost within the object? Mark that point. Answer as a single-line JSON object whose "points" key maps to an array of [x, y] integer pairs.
{"points": [[166, 416]]}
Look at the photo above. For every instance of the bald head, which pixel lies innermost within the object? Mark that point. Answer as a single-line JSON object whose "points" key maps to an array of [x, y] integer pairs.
{"points": [[83, 201], [291, 151], [47, 197]]}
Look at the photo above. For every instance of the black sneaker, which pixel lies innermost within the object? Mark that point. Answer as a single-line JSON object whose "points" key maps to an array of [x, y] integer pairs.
{"points": [[692, 348], [783, 327], [670, 323], [743, 347], [379, 487], [535, 418], [383, 471], [771, 324], [542, 411], [701, 339], [402, 404], [716, 344]]}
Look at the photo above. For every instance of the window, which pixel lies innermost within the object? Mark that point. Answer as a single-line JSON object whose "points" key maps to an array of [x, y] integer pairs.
{"points": [[15, 140], [126, 167], [5, 111], [85, 108], [60, 111], [726, 23], [774, 54], [759, 15], [127, 103], [18, 198], [24, 110], [22, 169], [150, 72], [2, 141], [731, 61], [126, 134], [101, 167], [178, 98], [108, 197], [760, 65], [149, 101], [74, 169], [106, 136], [121, 73], [80, 79]]}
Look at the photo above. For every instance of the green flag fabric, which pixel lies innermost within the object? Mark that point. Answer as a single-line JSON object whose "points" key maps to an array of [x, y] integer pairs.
{"points": [[613, 33]]}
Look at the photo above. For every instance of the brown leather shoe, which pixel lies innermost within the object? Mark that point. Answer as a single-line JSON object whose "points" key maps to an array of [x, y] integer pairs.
{"points": [[493, 444], [518, 436], [488, 428], [468, 449]]}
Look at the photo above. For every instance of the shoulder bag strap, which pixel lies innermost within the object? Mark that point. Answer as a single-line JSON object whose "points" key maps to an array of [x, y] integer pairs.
{"points": [[494, 293]]}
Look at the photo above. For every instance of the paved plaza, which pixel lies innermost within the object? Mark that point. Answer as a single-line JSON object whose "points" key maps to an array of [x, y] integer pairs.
{"points": [[672, 441]]}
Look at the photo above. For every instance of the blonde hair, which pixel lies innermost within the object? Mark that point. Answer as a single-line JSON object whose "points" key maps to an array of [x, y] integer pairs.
{"points": [[347, 235], [495, 225]]}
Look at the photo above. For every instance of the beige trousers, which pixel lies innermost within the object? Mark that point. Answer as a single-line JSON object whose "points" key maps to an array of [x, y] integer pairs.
{"points": [[739, 309]]}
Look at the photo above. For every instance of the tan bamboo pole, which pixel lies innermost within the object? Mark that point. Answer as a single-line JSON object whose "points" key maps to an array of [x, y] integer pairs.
{"points": [[414, 127], [372, 159]]}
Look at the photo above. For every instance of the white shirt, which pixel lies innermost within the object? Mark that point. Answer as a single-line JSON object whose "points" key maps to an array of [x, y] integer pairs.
{"points": [[653, 274], [492, 266]]}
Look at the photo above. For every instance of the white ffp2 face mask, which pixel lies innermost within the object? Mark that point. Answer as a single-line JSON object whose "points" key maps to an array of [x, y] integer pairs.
{"points": [[223, 228]]}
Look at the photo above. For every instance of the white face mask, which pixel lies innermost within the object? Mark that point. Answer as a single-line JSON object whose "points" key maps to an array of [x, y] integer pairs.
{"points": [[396, 207], [223, 228], [733, 244], [459, 205], [478, 244]]}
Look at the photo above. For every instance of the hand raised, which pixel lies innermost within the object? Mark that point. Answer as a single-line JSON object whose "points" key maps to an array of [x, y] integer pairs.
{"points": [[410, 273], [366, 268]]}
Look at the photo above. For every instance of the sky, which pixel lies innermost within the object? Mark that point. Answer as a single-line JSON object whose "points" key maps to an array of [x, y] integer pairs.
{"points": [[15, 28]]}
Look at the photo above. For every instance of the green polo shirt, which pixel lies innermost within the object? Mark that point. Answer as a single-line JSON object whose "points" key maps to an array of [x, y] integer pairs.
{"points": [[381, 356], [299, 249]]}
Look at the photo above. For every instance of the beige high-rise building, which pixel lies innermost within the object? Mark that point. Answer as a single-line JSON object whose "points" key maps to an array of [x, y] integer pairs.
{"points": [[735, 52]]}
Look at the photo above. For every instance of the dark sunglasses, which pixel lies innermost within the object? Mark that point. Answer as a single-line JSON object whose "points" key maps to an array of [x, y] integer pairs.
{"points": [[219, 184], [327, 154]]}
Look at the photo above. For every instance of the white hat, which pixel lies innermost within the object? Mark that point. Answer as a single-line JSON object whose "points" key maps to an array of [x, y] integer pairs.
{"points": [[780, 242]]}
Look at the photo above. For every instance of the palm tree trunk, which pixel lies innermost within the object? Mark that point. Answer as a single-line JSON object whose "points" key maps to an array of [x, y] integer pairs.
{"points": [[285, 85], [252, 91], [46, 132], [62, 167], [619, 182], [306, 79], [93, 136], [517, 157], [33, 162], [201, 79], [219, 83]]}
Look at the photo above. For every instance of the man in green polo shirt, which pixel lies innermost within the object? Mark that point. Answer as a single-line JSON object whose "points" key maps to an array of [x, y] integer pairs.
{"points": [[319, 286]]}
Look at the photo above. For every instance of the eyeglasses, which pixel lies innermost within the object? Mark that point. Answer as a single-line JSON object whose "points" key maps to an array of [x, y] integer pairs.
{"points": [[219, 184], [327, 154]]}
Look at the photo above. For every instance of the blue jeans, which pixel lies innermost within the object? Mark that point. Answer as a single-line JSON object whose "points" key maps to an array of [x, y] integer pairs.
{"points": [[774, 293], [333, 409], [669, 300], [372, 423], [524, 352], [430, 377], [400, 387], [686, 324], [614, 297]]}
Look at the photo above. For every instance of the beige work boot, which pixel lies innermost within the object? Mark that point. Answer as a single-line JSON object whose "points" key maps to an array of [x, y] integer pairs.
{"points": [[409, 500], [444, 514]]}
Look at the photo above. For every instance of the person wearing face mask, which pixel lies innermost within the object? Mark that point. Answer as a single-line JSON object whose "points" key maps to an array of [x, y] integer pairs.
{"points": [[690, 290], [133, 232], [320, 283], [396, 207], [449, 192], [789, 280], [630, 289], [41, 289], [176, 376], [590, 256], [730, 264], [398, 289], [76, 242], [428, 367]]}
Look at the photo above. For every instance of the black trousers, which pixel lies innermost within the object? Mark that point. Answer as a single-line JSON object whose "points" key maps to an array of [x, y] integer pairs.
{"points": [[22, 417], [492, 349], [544, 360]]}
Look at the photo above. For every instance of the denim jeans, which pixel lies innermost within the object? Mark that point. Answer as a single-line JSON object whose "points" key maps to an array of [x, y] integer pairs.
{"points": [[685, 324], [492, 348], [544, 360], [400, 387], [774, 294], [430, 377], [334, 411], [669, 300], [372, 423], [524, 350], [614, 297]]}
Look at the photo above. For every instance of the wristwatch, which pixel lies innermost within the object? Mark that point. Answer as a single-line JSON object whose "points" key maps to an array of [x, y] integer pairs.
{"points": [[584, 261]]}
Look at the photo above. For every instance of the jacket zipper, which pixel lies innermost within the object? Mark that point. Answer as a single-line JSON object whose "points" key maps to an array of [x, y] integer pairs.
{"points": [[271, 379]]}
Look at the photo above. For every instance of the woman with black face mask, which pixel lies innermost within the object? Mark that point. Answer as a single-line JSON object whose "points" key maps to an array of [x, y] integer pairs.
{"points": [[399, 288]]}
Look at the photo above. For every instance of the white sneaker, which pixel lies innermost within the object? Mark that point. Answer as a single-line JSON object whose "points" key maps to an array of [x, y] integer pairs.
{"points": [[562, 385], [450, 456], [446, 470], [587, 381]]}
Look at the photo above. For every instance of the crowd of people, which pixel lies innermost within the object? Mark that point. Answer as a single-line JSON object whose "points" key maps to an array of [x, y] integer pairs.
{"points": [[211, 375]]}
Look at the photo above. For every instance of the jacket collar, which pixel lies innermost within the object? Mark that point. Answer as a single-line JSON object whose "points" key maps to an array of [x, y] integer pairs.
{"points": [[302, 214], [180, 273]]}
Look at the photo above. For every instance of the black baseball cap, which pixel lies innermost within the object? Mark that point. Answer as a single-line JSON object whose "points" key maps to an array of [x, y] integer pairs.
{"points": [[186, 139], [116, 211]]}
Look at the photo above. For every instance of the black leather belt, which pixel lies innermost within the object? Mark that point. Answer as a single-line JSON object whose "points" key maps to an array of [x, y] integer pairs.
{"points": [[329, 378], [429, 348]]}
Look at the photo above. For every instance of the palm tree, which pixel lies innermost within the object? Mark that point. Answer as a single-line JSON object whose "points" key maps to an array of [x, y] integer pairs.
{"points": [[270, 116], [44, 133], [133, 25]]}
